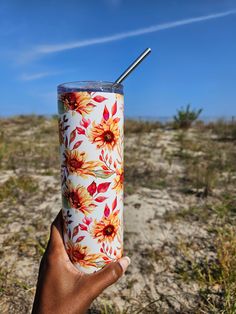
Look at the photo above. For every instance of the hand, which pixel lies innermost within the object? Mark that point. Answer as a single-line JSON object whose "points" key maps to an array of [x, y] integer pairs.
{"points": [[61, 287]]}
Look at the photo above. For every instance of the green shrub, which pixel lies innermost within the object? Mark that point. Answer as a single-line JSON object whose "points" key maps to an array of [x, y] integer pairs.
{"points": [[185, 117]]}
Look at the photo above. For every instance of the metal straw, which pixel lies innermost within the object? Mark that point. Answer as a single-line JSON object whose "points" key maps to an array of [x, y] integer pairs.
{"points": [[133, 66]]}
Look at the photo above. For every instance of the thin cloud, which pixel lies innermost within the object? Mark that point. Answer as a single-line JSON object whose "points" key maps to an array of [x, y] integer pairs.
{"points": [[36, 76], [49, 49]]}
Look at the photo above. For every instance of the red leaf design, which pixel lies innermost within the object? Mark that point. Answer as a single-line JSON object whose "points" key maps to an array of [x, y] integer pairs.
{"points": [[77, 144], [100, 199], [99, 98], [83, 227], [92, 188], [103, 244], [75, 231], [106, 157], [80, 239], [105, 113], [80, 130], [114, 108], [110, 160], [108, 172], [106, 258], [66, 142], [102, 152], [116, 120], [114, 204], [104, 167], [101, 250], [100, 157], [115, 253], [85, 123], [106, 211], [110, 251], [102, 187], [87, 220], [72, 135], [91, 105], [116, 212], [115, 164]]}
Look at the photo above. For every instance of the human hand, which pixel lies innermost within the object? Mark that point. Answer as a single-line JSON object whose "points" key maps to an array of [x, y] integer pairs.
{"points": [[61, 287]]}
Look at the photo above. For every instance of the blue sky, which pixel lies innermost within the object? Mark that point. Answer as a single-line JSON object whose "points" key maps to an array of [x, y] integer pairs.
{"points": [[193, 59]]}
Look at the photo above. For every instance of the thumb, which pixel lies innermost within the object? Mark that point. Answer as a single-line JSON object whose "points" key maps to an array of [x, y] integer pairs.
{"points": [[109, 274]]}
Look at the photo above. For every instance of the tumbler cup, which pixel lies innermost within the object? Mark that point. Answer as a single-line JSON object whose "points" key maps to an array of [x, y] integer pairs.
{"points": [[91, 136]]}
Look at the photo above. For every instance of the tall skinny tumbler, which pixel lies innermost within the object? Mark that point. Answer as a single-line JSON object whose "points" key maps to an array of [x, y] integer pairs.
{"points": [[91, 119]]}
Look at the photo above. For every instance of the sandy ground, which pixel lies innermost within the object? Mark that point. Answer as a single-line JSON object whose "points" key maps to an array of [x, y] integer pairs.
{"points": [[157, 243]]}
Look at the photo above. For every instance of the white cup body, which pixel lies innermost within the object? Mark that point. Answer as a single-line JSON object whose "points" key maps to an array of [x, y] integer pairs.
{"points": [[91, 137]]}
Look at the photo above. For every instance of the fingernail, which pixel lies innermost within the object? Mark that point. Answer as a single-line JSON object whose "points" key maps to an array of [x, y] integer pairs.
{"points": [[124, 262]]}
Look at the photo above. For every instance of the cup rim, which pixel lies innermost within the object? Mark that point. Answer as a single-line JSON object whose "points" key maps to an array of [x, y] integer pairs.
{"points": [[101, 83]]}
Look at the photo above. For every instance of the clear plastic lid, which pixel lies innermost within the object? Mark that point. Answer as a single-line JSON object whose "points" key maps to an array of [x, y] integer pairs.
{"points": [[91, 86]]}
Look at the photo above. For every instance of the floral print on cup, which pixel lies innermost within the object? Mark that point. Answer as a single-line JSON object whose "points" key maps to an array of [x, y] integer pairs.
{"points": [[92, 173]]}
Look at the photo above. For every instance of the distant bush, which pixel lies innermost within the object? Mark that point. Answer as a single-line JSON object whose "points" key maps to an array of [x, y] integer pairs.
{"points": [[185, 117]]}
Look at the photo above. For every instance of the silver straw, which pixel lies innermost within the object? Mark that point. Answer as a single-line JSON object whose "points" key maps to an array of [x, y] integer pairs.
{"points": [[133, 66]]}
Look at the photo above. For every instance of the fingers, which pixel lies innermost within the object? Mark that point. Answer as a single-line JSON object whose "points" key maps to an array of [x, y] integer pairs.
{"points": [[108, 275], [56, 244]]}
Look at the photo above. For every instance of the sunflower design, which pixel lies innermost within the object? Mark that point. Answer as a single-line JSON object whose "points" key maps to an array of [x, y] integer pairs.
{"points": [[80, 254], [119, 180], [76, 163], [106, 229], [79, 198], [105, 134], [79, 102]]}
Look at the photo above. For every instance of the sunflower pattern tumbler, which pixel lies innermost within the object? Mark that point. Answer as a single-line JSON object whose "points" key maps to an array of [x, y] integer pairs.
{"points": [[91, 148]]}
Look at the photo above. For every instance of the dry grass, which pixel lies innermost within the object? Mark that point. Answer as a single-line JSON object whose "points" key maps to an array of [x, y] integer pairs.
{"points": [[215, 275], [141, 126], [208, 162], [16, 189], [195, 167], [224, 130]]}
